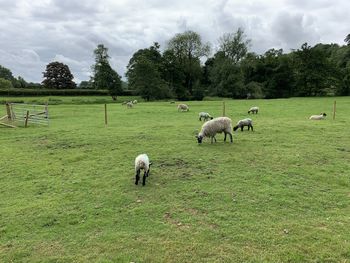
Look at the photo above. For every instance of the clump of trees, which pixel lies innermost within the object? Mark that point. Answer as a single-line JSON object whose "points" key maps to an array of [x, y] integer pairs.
{"points": [[186, 70]]}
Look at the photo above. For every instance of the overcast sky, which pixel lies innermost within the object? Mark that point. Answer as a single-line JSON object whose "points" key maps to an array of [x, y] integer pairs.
{"points": [[37, 32]]}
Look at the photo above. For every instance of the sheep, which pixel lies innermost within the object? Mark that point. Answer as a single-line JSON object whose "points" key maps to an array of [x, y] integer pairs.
{"points": [[318, 117], [205, 115], [124, 102], [214, 126], [253, 110], [183, 107], [129, 104], [142, 162], [245, 122], [134, 101]]}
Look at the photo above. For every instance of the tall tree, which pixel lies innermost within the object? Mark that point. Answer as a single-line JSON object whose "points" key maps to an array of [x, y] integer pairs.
{"points": [[5, 73], [104, 77], [234, 45], [226, 74], [188, 48], [58, 76], [347, 39], [144, 73]]}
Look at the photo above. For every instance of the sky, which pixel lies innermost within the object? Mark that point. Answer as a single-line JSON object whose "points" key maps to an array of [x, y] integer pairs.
{"points": [[37, 32]]}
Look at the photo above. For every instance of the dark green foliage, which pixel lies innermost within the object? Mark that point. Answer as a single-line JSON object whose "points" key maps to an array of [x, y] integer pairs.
{"points": [[104, 77], [144, 73], [5, 73], [5, 84], [58, 76]]}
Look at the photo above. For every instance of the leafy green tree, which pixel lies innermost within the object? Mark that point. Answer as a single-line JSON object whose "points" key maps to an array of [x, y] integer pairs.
{"points": [[347, 39], [226, 75], [144, 73], [313, 72], [5, 84], [58, 76], [187, 49], [234, 45], [104, 77], [5, 73]]}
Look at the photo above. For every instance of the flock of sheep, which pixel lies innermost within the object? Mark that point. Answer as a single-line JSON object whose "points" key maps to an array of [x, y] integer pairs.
{"points": [[209, 129]]}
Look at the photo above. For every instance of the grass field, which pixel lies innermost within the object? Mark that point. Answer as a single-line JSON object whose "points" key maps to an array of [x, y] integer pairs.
{"points": [[278, 194]]}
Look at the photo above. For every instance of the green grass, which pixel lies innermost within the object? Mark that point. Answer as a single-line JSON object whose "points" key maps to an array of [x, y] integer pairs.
{"points": [[278, 194]]}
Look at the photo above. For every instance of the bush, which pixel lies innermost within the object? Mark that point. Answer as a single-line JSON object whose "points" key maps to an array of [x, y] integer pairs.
{"points": [[5, 84], [55, 92]]}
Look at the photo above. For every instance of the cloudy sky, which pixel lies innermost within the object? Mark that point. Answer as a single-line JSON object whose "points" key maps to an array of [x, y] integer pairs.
{"points": [[37, 32]]}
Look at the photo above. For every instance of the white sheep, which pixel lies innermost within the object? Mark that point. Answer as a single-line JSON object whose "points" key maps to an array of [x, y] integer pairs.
{"points": [[142, 162], [214, 126], [245, 122], [134, 101], [205, 115], [318, 117], [183, 107], [253, 110], [129, 104]]}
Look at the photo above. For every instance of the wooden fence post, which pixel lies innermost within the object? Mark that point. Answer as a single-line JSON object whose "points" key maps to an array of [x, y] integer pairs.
{"points": [[334, 109], [8, 110], [26, 120], [223, 109], [106, 122]]}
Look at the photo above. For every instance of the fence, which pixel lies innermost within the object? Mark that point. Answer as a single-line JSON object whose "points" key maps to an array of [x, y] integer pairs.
{"points": [[18, 113]]}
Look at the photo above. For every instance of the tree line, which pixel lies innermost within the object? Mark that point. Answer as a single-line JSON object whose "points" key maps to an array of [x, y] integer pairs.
{"points": [[185, 70]]}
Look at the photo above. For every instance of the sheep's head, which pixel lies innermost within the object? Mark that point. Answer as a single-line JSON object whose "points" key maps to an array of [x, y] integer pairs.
{"points": [[211, 117], [199, 138], [235, 128], [324, 114]]}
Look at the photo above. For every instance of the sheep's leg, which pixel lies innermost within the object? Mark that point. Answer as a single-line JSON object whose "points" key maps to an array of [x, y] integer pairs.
{"points": [[230, 137], [137, 177], [144, 178], [225, 137], [211, 139], [242, 128], [251, 126], [147, 173], [214, 138]]}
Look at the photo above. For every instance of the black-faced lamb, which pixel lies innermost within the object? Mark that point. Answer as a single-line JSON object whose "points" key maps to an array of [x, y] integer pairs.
{"points": [[183, 107], [245, 122], [205, 116], [214, 126], [129, 104], [253, 110], [142, 162], [318, 117]]}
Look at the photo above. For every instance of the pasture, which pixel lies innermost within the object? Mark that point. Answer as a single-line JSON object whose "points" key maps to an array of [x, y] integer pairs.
{"points": [[278, 194]]}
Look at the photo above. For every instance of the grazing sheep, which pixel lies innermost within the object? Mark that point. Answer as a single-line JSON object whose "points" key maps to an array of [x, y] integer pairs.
{"points": [[253, 110], [318, 117], [245, 122], [214, 126], [142, 162], [129, 104], [205, 115], [183, 107], [134, 101]]}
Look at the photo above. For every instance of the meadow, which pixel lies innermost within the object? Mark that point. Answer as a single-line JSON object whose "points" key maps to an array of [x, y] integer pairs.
{"points": [[278, 194]]}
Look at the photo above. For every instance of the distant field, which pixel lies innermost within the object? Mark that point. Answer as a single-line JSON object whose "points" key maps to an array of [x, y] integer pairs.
{"points": [[278, 194]]}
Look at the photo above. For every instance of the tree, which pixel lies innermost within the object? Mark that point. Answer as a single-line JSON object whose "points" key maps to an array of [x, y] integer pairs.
{"points": [[144, 73], [234, 45], [314, 73], [104, 77], [226, 73], [187, 49], [58, 76], [5, 84], [5, 73], [347, 39]]}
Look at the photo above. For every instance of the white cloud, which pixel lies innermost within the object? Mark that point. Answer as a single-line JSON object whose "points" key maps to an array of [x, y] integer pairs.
{"points": [[35, 33]]}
